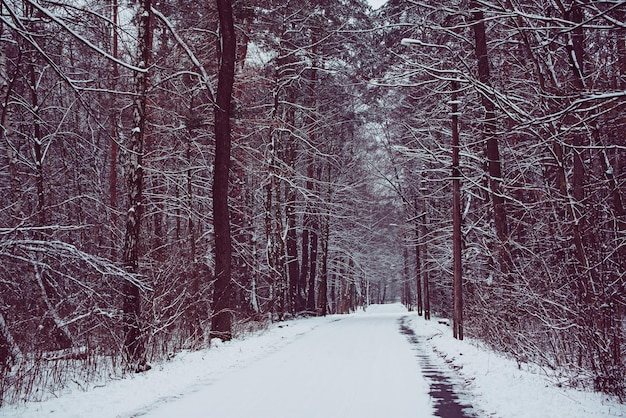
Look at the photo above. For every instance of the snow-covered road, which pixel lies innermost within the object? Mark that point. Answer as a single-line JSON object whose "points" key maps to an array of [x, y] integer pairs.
{"points": [[357, 366], [367, 365]]}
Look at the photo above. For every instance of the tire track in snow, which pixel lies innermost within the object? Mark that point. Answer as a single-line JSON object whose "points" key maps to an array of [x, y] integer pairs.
{"points": [[443, 388]]}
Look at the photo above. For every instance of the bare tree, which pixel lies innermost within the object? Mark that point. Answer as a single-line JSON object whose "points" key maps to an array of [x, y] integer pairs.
{"points": [[221, 324], [133, 340]]}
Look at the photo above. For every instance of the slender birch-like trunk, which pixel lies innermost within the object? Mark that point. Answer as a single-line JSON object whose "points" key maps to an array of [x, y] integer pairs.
{"points": [[133, 341]]}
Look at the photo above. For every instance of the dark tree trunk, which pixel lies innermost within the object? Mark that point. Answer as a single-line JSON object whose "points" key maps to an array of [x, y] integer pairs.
{"points": [[6, 133], [197, 272], [221, 324], [456, 221], [574, 197], [37, 148], [494, 166], [313, 269], [424, 251], [294, 299], [406, 292], [352, 286], [291, 239], [114, 127], [323, 290], [310, 225], [134, 345], [305, 251], [418, 263], [293, 266]]}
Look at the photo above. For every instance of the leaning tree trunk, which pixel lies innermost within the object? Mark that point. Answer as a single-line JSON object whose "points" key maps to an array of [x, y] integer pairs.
{"points": [[221, 323], [133, 342]]}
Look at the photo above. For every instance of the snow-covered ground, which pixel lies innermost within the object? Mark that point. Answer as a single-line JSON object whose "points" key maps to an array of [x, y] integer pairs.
{"points": [[356, 365], [499, 388]]}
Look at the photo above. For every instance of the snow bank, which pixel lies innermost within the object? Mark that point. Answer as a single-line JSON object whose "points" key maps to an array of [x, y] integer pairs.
{"points": [[502, 389], [182, 374]]}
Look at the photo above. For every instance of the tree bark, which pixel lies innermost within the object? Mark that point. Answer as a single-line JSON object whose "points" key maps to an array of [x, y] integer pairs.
{"points": [[323, 298], [6, 133], [37, 146], [425, 275], [456, 222], [418, 263], [291, 239], [309, 248], [133, 341], [8, 347], [325, 237], [313, 241], [221, 323], [114, 126], [305, 250], [406, 281], [494, 165]]}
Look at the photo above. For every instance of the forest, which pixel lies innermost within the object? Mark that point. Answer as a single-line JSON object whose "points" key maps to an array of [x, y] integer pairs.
{"points": [[173, 171]]}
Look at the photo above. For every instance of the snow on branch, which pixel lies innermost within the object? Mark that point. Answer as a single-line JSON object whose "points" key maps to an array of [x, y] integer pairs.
{"points": [[417, 42], [205, 77], [68, 251], [84, 40]]}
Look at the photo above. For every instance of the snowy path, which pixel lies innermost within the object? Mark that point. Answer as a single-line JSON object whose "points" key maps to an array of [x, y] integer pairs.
{"points": [[359, 366], [366, 365]]}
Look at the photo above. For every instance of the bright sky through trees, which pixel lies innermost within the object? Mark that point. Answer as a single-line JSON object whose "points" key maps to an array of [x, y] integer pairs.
{"points": [[376, 3]]}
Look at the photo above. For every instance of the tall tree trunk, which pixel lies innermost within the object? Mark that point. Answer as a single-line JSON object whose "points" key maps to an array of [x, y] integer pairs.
{"points": [[241, 235], [616, 294], [293, 266], [273, 204], [418, 262], [221, 323], [305, 250], [309, 233], [291, 239], [325, 237], [313, 239], [494, 165], [133, 341], [195, 312], [352, 285], [574, 195], [114, 126], [406, 281], [424, 256], [323, 289], [456, 222], [307, 247], [37, 146], [61, 334], [424, 249], [6, 133]]}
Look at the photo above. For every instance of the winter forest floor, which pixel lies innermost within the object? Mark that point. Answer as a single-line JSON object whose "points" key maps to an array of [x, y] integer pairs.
{"points": [[385, 362]]}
